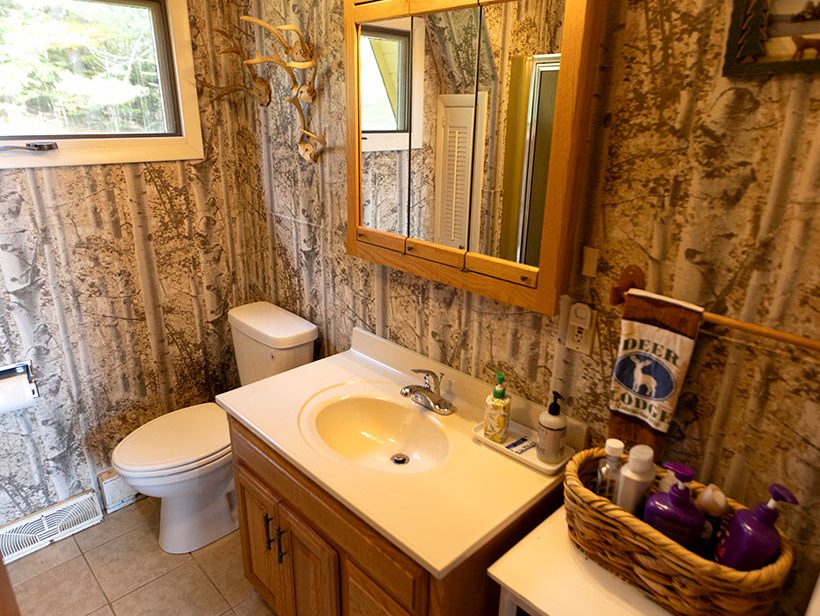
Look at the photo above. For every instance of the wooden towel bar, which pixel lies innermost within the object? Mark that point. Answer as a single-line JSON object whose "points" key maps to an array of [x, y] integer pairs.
{"points": [[633, 278]]}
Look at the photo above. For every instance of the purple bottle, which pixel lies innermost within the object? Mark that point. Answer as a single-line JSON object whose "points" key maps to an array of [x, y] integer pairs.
{"points": [[673, 513], [751, 541]]}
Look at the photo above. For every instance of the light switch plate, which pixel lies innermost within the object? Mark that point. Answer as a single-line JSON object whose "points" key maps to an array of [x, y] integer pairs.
{"points": [[581, 328], [589, 267]]}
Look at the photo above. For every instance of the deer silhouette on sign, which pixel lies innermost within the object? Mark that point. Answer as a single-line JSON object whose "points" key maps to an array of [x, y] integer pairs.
{"points": [[640, 378]]}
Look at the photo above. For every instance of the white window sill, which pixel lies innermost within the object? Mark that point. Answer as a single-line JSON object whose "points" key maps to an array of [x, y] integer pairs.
{"points": [[73, 152]]}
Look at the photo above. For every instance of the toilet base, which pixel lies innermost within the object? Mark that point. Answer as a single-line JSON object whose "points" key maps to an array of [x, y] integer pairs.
{"points": [[191, 522]]}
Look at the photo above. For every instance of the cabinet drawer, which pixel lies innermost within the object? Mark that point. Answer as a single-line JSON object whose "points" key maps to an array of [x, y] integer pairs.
{"points": [[401, 578], [364, 597]]}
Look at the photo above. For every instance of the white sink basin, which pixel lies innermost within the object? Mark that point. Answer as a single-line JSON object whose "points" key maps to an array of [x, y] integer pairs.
{"points": [[366, 424]]}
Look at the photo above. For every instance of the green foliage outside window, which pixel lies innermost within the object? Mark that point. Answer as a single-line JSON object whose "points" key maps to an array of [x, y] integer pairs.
{"points": [[79, 67]]}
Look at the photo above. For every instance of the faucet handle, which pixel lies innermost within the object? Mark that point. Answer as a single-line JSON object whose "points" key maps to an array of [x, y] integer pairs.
{"points": [[432, 380]]}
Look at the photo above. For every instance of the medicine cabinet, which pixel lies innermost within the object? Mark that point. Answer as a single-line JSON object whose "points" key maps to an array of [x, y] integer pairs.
{"points": [[468, 125]]}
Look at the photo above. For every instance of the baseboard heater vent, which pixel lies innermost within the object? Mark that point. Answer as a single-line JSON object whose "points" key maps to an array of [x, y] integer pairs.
{"points": [[37, 530]]}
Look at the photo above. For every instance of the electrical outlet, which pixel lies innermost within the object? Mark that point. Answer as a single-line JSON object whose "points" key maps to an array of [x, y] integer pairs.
{"points": [[581, 328]]}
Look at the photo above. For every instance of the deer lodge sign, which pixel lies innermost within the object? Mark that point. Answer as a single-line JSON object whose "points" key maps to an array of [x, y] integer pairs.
{"points": [[649, 372]]}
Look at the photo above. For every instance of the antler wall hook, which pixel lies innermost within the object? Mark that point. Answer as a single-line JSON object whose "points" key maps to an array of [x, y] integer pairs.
{"points": [[298, 61]]}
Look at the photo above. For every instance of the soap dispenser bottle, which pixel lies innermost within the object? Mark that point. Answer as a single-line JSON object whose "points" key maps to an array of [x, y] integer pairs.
{"points": [[552, 432], [674, 513], [497, 412], [751, 540]]}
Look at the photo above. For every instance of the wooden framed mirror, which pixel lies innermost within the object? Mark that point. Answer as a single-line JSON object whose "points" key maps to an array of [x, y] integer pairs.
{"points": [[468, 123]]}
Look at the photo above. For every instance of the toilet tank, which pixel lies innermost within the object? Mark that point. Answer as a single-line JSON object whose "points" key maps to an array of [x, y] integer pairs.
{"points": [[268, 340]]}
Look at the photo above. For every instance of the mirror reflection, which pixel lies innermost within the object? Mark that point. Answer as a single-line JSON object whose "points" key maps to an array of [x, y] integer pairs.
{"points": [[385, 94], [518, 71], [442, 172], [456, 117]]}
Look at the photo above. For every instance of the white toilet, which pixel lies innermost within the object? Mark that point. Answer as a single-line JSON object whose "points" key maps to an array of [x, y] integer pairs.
{"points": [[184, 457]]}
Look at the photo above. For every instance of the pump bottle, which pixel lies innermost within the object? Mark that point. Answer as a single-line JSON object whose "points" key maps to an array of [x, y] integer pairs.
{"points": [[497, 412], [552, 431], [673, 513], [751, 540]]}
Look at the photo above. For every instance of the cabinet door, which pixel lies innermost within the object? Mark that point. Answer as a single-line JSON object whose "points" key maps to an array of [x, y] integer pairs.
{"points": [[257, 526], [312, 577]]}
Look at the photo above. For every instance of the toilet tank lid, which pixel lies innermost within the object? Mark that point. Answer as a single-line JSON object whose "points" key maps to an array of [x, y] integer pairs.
{"points": [[272, 325]]}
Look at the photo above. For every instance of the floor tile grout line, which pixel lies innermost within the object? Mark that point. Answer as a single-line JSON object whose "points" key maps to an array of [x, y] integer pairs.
{"points": [[84, 555], [94, 575], [163, 574], [14, 585], [212, 583], [115, 537]]}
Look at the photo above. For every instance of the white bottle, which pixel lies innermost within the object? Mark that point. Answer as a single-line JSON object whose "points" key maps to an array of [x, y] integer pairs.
{"points": [[609, 468], [636, 477], [552, 431], [497, 412]]}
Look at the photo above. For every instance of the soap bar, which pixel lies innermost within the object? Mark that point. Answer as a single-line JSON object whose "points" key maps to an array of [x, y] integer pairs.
{"points": [[521, 445]]}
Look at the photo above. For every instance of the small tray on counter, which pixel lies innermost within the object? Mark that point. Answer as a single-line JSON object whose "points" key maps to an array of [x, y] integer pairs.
{"points": [[520, 446]]}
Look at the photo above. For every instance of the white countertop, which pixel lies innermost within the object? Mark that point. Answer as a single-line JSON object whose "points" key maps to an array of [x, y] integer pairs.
{"points": [[438, 517], [549, 576]]}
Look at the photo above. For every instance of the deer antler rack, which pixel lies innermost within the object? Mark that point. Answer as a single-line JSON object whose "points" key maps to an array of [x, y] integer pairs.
{"points": [[299, 62], [258, 88]]}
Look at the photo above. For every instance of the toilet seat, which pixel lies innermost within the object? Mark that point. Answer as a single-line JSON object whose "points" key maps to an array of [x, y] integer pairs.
{"points": [[176, 470], [174, 443]]}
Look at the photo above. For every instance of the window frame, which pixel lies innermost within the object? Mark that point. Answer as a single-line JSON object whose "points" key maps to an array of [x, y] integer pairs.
{"points": [[405, 76], [185, 143], [381, 141]]}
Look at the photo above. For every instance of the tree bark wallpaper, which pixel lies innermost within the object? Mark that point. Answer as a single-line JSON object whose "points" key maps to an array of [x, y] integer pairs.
{"points": [[116, 280], [709, 184]]}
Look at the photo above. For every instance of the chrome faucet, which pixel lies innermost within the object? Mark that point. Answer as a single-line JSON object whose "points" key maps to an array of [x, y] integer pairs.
{"points": [[428, 395]]}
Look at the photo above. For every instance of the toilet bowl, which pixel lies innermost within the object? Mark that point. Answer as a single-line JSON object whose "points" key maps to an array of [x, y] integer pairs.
{"points": [[184, 457]]}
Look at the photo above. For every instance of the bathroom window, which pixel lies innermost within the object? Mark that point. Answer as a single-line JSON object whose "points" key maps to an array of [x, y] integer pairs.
{"points": [[391, 80], [107, 81]]}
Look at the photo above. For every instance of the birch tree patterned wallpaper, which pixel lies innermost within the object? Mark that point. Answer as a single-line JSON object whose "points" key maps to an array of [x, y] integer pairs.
{"points": [[116, 280], [115, 283]]}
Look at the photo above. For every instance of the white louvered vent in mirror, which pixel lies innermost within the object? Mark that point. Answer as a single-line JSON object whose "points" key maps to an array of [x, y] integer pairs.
{"points": [[456, 186]]}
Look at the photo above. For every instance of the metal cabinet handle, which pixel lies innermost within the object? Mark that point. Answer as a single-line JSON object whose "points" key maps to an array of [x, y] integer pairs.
{"points": [[266, 520], [280, 555]]}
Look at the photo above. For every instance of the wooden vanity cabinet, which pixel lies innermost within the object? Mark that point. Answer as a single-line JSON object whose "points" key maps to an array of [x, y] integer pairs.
{"points": [[308, 555], [292, 567]]}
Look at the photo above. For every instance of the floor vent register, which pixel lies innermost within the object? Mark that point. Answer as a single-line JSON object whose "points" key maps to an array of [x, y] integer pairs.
{"points": [[37, 530]]}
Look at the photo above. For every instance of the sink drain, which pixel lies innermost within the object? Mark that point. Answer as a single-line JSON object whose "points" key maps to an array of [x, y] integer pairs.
{"points": [[400, 458]]}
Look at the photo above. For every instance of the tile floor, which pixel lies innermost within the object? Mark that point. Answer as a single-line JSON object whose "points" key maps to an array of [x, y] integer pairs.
{"points": [[117, 568]]}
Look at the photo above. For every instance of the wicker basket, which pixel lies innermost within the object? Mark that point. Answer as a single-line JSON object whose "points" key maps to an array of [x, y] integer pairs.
{"points": [[668, 573]]}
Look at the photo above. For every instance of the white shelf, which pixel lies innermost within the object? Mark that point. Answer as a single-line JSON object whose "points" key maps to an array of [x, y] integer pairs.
{"points": [[548, 576]]}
